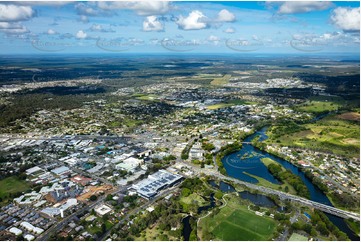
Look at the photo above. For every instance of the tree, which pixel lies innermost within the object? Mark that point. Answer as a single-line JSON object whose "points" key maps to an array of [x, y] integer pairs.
{"points": [[93, 198], [186, 192]]}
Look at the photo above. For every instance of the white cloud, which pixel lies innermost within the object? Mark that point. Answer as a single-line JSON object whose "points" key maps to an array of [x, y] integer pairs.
{"points": [[144, 8], [303, 6], [13, 28], [13, 13], [152, 24], [194, 21], [100, 28], [229, 30], [213, 38], [51, 32], [81, 34], [225, 16], [347, 19], [84, 19]]}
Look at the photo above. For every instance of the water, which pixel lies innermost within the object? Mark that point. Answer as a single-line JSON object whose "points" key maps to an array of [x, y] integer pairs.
{"points": [[211, 205], [258, 199], [223, 186], [254, 165], [186, 228], [248, 159]]}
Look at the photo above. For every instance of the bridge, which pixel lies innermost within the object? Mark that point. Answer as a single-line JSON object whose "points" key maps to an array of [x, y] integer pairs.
{"points": [[282, 195]]}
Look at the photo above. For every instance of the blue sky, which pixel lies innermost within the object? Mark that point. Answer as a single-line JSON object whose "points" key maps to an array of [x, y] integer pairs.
{"points": [[182, 27]]}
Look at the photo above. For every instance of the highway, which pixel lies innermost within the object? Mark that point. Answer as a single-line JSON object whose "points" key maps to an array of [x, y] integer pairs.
{"points": [[282, 195]]}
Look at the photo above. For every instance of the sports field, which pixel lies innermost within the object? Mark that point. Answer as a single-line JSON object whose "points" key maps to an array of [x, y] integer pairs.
{"points": [[235, 222]]}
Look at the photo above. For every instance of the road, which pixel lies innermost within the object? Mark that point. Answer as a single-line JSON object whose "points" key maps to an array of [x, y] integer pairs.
{"points": [[58, 226], [325, 208]]}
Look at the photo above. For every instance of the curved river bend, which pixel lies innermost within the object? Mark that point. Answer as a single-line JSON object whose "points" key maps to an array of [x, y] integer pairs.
{"points": [[248, 159]]}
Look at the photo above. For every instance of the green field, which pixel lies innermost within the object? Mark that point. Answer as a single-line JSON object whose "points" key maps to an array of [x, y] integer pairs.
{"points": [[263, 182], [145, 97], [320, 104], [331, 134], [221, 80], [298, 237], [12, 185], [193, 199], [235, 222], [227, 104]]}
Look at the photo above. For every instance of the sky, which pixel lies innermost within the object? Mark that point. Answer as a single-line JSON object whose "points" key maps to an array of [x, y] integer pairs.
{"points": [[305, 27]]}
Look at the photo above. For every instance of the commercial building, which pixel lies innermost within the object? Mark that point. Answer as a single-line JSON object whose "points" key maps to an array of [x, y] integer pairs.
{"points": [[16, 231], [151, 186], [102, 210]]}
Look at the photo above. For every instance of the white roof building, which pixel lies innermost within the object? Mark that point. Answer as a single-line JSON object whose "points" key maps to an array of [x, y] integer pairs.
{"points": [[31, 228], [29, 237], [51, 211], [33, 170], [16, 231], [60, 170], [129, 164], [102, 210]]}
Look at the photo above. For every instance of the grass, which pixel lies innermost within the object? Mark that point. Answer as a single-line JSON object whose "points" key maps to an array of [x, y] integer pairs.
{"points": [[193, 198], [221, 80], [354, 226], [145, 97], [298, 237], [235, 222], [265, 183], [228, 104], [12, 185], [331, 134], [320, 104]]}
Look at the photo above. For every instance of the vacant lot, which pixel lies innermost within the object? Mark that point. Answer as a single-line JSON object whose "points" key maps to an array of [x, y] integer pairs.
{"points": [[221, 80], [235, 222], [12, 185]]}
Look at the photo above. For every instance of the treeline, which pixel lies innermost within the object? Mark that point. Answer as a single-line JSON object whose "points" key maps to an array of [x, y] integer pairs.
{"points": [[317, 181], [284, 127], [24, 105], [226, 150], [325, 226], [289, 177]]}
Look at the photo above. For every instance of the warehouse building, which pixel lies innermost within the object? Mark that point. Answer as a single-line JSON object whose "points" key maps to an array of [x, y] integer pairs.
{"points": [[151, 186]]}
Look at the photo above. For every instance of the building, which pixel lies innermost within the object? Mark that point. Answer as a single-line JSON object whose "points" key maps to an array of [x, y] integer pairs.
{"points": [[102, 210], [62, 170], [34, 170], [81, 180], [151, 186], [29, 237], [28, 198], [130, 164], [16, 231], [31, 228]]}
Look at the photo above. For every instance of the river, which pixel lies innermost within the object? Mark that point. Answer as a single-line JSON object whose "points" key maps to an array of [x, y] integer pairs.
{"points": [[248, 159]]}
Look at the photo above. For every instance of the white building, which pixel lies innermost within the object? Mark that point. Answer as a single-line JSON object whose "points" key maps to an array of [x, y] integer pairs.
{"points": [[15, 231], [29, 237], [102, 210]]}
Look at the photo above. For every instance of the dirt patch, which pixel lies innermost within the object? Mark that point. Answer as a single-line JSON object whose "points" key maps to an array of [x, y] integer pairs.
{"points": [[351, 141], [92, 190], [350, 116]]}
